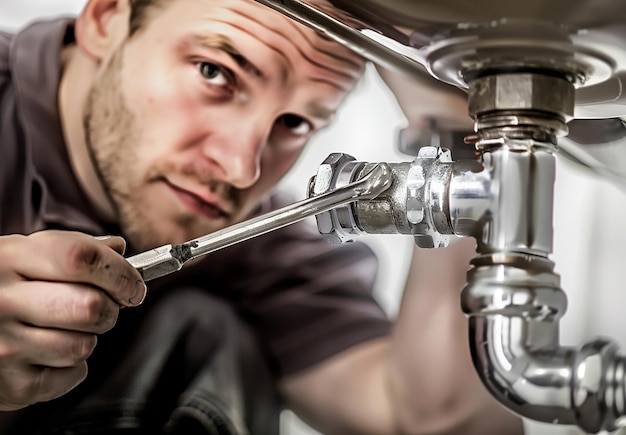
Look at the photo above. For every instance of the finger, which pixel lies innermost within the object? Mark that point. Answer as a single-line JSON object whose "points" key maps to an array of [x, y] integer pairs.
{"points": [[27, 384], [48, 347], [74, 257], [118, 244], [53, 382], [73, 307]]}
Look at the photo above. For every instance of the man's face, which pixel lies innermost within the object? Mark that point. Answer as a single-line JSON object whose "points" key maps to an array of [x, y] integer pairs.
{"points": [[196, 117]]}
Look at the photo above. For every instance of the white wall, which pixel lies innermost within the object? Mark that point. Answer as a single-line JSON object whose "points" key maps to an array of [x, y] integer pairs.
{"points": [[16, 13], [589, 213]]}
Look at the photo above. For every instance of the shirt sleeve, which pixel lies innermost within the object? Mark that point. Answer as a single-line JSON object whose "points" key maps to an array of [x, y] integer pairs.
{"points": [[304, 298], [308, 299]]}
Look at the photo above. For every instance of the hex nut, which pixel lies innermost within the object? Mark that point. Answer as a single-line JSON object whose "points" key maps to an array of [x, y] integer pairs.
{"points": [[521, 91], [425, 235], [327, 172], [324, 182]]}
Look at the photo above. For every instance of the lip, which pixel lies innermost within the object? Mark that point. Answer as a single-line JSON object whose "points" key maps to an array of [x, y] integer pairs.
{"points": [[204, 206]]}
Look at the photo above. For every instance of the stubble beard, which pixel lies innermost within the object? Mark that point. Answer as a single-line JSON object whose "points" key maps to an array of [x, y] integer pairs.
{"points": [[111, 136]]}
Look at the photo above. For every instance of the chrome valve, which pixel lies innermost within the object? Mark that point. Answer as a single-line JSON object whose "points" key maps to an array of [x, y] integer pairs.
{"points": [[431, 198]]}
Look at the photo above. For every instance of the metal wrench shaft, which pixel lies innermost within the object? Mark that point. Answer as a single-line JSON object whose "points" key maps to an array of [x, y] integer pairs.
{"points": [[170, 258]]}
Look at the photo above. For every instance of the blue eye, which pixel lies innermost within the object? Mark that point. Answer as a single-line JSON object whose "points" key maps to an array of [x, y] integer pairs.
{"points": [[213, 74]]}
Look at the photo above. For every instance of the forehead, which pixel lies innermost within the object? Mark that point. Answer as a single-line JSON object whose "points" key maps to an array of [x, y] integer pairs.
{"points": [[264, 37]]}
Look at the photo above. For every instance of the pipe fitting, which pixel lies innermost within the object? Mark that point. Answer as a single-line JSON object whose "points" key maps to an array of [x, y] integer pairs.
{"points": [[521, 91], [427, 199], [513, 298], [513, 318], [338, 169], [521, 104]]}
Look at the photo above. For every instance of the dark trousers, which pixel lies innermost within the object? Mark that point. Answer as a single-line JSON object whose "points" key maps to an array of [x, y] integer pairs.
{"points": [[181, 364]]}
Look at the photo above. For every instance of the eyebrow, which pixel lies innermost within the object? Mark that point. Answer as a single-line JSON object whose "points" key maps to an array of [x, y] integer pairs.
{"points": [[320, 112], [225, 44]]}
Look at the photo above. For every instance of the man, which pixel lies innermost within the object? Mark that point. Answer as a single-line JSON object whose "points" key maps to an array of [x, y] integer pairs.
{"points": [[161, 121]]}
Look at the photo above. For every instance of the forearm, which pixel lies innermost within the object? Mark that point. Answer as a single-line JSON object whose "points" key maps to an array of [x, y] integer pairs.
{"points": [[418, 381], [433, 381]]}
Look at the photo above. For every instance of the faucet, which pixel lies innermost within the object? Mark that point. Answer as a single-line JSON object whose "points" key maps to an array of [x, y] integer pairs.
{"points": [[528, 70]]}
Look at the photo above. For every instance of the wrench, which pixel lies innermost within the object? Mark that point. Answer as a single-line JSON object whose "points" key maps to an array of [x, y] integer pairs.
{"points": [[170, 258]]}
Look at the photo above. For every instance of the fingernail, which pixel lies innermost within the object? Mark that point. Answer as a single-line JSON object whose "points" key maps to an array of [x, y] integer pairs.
{"points": [[140, 294], [102, 237]]}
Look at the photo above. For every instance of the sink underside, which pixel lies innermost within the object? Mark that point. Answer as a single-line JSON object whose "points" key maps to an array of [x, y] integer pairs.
{"points": [[452, 40]]}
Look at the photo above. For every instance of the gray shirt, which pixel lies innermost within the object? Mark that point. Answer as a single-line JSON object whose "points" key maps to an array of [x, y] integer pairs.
{"points": [[306, 299]]}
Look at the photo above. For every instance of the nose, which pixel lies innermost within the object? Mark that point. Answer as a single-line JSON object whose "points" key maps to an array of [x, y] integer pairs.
{"points": [[236, 152]]}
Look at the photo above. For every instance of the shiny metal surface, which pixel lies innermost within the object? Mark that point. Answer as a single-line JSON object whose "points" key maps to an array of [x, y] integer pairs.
{"points": [[519, 218], [579, 13], [432, 198], [452, 40], [170, 258], [385, 214], [505, 201], [530, 67], [519, 102], [427, 201], [513, 297], [514, 339]]}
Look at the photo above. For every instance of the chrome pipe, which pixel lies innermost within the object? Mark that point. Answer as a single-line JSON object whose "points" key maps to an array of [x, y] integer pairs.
{"points": [[513, 297], [431, 198], [514, 341]]}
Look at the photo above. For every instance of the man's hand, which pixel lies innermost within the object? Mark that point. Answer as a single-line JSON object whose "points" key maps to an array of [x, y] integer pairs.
{"points": [[58, 291]]}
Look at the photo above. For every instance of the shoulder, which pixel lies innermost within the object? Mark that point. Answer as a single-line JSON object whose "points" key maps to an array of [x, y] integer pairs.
{"points": [[5, 46]]}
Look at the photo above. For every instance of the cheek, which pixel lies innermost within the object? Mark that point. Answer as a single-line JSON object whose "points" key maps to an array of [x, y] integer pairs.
{"points": [[166, 136], [163, 106]]}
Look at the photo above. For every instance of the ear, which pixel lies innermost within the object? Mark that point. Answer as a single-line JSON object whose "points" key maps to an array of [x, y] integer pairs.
{"points": [[101, 26]]}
